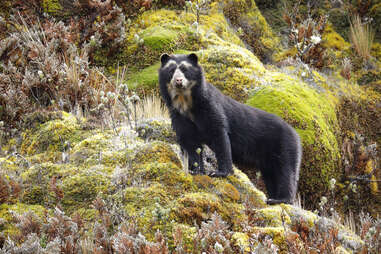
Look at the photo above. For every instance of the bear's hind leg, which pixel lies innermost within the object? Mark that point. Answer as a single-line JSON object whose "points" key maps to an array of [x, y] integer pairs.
{"points": [[284, 186]]}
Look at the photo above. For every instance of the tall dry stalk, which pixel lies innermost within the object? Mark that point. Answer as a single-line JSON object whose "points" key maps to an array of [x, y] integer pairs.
{"points": [[361, 36]]}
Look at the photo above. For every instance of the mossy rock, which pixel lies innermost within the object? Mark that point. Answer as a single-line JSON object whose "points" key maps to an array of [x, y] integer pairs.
{"points": [[82, 188], [159, 38], [246, 16], [158, 31], [314, 118], [145, 80], [232, 69], [153, 129], [155, 32], [52, 137], [158, 152]]}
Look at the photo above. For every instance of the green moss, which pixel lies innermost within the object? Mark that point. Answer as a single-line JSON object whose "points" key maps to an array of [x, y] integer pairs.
{"points": [[159, 38], [51, 137], [168, 31], [297, 215], [232, 69], [9, 227], [157, 152], [257, 33], [82, 188], [247, 190], [332, 40], [156, 32], [241, 240], [52, 6], [90, 151], [152, 129], [227, 191], [314, 118], [277, 235], [147, 79], [198, 207], [272, 216]]}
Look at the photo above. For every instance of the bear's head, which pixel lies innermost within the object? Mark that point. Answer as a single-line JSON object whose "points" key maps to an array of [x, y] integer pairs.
{"points": [[180, 72]]}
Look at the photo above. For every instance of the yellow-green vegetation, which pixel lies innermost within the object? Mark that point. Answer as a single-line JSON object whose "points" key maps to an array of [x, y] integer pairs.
{"points": [[52, 6], [376, 51], [336, 48], [169, 31], [52, 137], [153, 129], [146, 79], [147, 181], [8, 227], [314, 118], [333, 40], [232, 69], [66, 161], [255, 31]]}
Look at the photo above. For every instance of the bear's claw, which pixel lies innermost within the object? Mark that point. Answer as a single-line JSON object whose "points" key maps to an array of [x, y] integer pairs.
{"points": [[220, 174]]}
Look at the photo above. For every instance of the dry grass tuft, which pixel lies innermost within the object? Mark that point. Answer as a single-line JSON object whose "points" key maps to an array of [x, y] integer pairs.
{"points": [[361, 36], [152, 107]]}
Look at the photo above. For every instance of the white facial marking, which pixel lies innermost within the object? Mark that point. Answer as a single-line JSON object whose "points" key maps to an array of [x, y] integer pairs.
{"points": [[169, 63], [179, 74], [186, 64]]}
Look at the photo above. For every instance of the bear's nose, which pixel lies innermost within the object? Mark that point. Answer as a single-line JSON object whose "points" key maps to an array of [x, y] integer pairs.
{"points": [[179, 82]]}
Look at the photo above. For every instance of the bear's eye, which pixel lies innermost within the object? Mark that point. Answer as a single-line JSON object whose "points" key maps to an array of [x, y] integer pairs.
{"points": [[171, 69], [183, 68]]}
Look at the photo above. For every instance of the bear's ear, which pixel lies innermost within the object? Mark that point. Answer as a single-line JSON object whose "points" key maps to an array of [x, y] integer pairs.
{"points": [[164, 59], [193, 58]]}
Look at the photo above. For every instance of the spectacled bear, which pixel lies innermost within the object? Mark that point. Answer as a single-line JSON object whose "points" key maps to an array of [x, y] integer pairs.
{"points": [[237, 133]]}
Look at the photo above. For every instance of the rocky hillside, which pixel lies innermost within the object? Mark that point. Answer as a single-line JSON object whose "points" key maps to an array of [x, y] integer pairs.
{"points": [[88, 160]]}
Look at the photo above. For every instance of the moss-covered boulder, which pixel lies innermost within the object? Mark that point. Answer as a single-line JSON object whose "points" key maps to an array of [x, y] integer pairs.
{"points": [[159, 31], [232, 69], [52, 137], [313, 116], [155, 129]]}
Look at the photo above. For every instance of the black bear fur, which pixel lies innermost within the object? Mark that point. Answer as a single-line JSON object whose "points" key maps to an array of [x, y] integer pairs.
{"points": [[237, 133]]}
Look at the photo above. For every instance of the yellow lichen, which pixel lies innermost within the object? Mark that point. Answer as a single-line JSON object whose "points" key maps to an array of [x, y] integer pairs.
{"points": [[241, 240]]}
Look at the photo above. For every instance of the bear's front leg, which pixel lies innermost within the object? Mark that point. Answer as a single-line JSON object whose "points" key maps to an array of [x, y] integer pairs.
{"points": [[222, 148], [190, 142]]}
